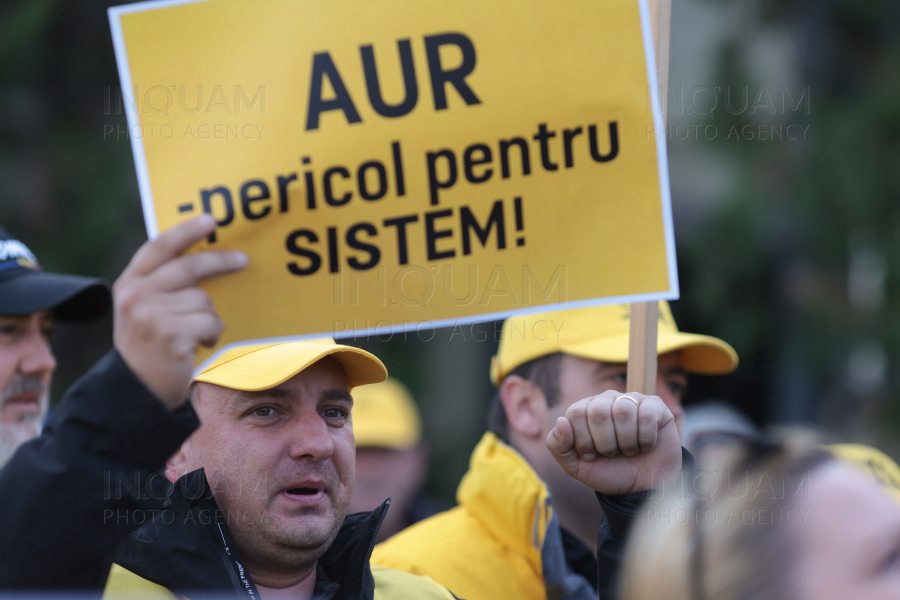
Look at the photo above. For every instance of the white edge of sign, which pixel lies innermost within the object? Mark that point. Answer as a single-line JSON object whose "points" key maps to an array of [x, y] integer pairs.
{"points": [[661, 157], [131, 115], [430, 325]]}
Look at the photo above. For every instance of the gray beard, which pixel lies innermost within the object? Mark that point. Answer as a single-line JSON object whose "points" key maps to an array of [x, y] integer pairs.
{"points": [[13, 436]]}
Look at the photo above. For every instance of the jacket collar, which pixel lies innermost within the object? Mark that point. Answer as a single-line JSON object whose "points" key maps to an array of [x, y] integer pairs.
{"points": [[507, 497], [188, 547], [347, 559], [512, 503]]}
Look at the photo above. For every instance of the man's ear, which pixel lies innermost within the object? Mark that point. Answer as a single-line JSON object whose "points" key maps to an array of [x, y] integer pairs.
{"points": [[176, 466], [525, 405]]}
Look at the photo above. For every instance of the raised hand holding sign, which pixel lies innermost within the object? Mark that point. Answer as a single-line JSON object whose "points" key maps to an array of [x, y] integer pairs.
{"points": [[161, 316]]}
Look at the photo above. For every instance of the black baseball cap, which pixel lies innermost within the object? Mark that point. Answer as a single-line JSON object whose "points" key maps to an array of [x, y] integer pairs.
{"points": [[25, 288]]}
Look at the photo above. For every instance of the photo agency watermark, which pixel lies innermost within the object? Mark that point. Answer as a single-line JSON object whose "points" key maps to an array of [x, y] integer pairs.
{"points": [[776, 112], [761, 516], [715, 492], [221, 112], [536, 328], [475, 285], [200, 516], [139, 487]]}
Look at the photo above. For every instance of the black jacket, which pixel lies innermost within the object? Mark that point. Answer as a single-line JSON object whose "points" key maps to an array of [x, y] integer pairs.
{"points": [[618, 514], [188, 548], [63, 510]]}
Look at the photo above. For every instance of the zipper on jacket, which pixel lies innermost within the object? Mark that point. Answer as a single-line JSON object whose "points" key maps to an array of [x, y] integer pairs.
{"points": [[387, 505]]}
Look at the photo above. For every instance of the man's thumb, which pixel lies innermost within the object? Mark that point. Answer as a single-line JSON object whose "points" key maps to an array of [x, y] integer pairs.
{"points": [[561, 443]]}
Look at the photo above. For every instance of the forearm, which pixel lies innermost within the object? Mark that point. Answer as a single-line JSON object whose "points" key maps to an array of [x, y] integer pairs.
{"points": [[68, 497], [618, 516]]}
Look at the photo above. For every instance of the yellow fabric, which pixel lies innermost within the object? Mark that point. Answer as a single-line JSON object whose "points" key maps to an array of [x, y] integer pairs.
{"points": [[396, 585], [123, 584], [389, 585], [601, 333], [488, 547], [256, 367], [385, 416]]}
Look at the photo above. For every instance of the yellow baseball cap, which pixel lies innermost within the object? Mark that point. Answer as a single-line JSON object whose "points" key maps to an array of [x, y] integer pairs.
{"points": [[601, 333], [871, 461], [256, 367], [385, 416]]}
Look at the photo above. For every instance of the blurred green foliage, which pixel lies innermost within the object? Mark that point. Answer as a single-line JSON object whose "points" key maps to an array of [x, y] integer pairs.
{"points": [[66, 189], [800, 268]]}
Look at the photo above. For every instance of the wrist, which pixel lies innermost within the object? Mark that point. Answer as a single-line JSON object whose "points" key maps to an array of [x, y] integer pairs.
{"points": [[172, 397]]}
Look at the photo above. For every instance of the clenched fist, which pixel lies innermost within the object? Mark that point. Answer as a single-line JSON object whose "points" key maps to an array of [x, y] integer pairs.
{"points": [[160, 313], [617, 446]]}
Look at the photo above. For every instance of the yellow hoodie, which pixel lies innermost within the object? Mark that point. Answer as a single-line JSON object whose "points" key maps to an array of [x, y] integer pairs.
{"points": [[502, 541]]}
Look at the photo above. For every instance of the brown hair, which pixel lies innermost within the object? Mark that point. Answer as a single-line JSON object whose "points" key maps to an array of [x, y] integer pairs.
{"points": [[544, 372]]}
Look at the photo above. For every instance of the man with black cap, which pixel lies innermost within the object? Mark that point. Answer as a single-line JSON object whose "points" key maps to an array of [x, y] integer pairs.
{"points": [[123, 419], [30, 301]]}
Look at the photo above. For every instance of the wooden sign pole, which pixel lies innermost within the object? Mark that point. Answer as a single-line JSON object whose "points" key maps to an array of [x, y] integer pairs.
{"points": [[644, 315]]}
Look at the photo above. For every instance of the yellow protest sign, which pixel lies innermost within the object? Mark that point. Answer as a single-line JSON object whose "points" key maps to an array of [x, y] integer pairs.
{"points": [[399, 164]]}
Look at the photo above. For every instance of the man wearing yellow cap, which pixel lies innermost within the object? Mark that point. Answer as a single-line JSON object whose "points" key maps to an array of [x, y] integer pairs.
{"points": [[391, 457], [524, 528], [259, 494]]}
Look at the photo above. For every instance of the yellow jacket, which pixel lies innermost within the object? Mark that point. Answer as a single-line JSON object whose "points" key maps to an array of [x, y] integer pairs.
{"points": [[501, 542], [389, 585]]}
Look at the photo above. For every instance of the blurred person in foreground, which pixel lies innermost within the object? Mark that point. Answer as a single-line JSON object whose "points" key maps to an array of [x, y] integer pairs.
{"points": [[524, 528], [872, 462], [31, 300], [126, 416], [768, 486], [391, 456], [778, 521], [260, 492]]}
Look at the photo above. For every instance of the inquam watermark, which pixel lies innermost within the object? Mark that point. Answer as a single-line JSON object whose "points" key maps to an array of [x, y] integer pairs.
{"points": [[732, 485], [416, 285], [776, 111], [217, 112], [770, 493], [137, 485], [140, 487]]}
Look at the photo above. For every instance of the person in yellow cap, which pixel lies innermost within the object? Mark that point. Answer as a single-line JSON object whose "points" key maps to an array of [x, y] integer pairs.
{"points": [[260, 492], [525, 529], [391, 456]]}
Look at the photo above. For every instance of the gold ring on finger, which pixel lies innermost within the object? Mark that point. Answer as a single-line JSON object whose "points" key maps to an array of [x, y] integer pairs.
{"points": [[628, 397]]}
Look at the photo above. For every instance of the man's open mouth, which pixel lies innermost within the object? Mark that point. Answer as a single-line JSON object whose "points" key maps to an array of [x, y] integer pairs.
{"points": [[303, 491]]}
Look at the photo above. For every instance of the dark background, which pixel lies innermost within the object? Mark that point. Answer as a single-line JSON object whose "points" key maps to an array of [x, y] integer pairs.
{"points": [[788, 249]]}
